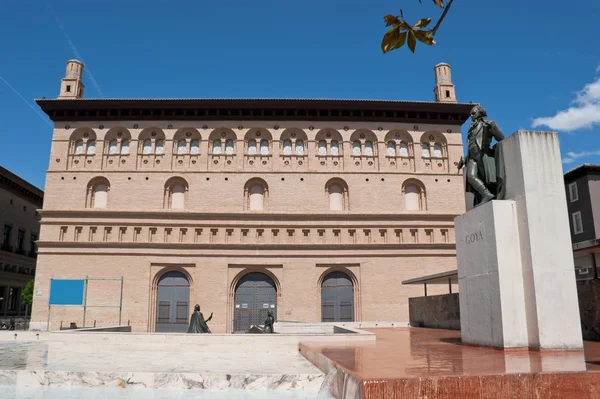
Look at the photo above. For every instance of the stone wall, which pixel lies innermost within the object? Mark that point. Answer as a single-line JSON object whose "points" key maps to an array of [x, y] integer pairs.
{"points": [[438, 311], [588, 292]]}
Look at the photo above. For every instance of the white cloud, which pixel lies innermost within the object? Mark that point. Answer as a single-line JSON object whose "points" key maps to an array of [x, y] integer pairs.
{"points": [[584, 113], [598, 69], [574, 156]]}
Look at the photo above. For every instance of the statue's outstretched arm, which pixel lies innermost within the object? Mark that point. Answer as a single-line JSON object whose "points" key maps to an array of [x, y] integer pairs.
{"points": [[209, 317]]}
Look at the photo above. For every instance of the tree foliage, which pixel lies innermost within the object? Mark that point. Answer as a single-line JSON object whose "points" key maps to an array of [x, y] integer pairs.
{"points": [[401, 32], [27, 294]]}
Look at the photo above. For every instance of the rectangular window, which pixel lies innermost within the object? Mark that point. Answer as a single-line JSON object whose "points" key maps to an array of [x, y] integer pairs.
{"points": [[12, 299], [78, 230], [6, 235], [32, 245], [92, 233], [20, 240], [573, 194], [577, 224], [63, 231], [68, 88]]}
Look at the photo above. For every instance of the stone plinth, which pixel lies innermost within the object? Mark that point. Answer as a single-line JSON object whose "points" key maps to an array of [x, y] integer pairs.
{"points": [[489, 276], [534, 180], [515, 263]]}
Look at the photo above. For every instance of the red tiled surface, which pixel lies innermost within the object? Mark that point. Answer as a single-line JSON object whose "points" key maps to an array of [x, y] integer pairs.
{"points": [[432, 363]]}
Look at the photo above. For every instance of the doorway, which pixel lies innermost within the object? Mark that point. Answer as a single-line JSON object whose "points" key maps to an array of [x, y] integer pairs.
{"points": [[172, 303], [255, 295], [337, 298]]}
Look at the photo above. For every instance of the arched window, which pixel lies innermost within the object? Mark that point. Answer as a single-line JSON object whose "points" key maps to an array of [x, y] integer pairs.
{"points": [[160, 147], [335, 148], [100, 196], [257, 198], [181, 147], [97, 193], [356, 148], [425, 150], [404, 149], [337, 193], [368, 148], [414, 196], [113, 147], [195, 147], [322, 147], [124, 147], [252, 147], [175, 192], [147, 147], [391, 148], [264, 147], [287, 147], [229, 147], [91, 147], [437, 150], [216, 148], [299, 147], [79, 147], [177, 196], [255, 192], [336, 198]]}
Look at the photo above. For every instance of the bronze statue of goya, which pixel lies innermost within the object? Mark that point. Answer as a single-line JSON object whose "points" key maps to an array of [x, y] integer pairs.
{"points": [[197, 323], [484, 162]]}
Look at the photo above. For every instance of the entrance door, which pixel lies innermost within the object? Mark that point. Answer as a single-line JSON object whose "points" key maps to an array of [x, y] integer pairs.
{"points": [[337, 298], [172, 303], [255, 295]]}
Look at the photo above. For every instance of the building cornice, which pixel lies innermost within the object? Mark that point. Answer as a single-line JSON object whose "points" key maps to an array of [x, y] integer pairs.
{"points": [[28, 190], [282, 109]]}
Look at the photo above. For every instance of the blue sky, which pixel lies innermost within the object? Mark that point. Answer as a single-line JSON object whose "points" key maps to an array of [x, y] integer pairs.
{"points": [[530, 63]]}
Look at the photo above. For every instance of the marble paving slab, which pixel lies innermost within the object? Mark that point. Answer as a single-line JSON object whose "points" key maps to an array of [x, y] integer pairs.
{"points": [[187, 381], [11, 392]]}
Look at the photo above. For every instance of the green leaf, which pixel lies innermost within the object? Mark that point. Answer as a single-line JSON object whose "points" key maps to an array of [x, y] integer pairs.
{"points": [[400, 42], [412, 41], [393, 39], [391, 20], [422, 23], [425, 37], [439, 3]]}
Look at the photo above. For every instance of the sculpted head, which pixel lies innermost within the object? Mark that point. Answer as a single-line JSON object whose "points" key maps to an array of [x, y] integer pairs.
{"points": [[478, 112], [197, 308], [270, 313]]}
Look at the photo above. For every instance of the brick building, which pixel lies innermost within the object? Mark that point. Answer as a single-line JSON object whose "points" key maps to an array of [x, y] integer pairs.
{"points": [[315, 209], [19, 203]]}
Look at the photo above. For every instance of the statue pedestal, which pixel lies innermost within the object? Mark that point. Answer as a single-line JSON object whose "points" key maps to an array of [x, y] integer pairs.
{"points": [[492, 311], [535, 192]]}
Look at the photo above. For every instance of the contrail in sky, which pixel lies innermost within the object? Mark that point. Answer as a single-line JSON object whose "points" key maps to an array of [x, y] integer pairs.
{"points": [[72, 45], [26, 102]]}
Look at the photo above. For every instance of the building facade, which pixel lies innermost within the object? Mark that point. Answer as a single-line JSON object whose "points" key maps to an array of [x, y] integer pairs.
{"points": [[314, 209], [583, 201], [19, 204]]}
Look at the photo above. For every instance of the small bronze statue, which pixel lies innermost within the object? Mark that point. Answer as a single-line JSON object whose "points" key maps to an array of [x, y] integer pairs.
{"points": [[268, 329], [197, 323], [485, 164]]}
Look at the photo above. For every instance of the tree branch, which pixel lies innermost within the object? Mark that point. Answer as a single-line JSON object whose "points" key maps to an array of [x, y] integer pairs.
{"points": [[437, 25]]}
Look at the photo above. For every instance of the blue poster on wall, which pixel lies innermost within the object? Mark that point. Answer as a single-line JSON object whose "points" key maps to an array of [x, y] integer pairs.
{"points": [[66, 292]]}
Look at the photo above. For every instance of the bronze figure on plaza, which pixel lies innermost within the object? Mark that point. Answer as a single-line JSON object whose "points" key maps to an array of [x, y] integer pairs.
{"points": [[197, 323], [484, 162], [268, 329]]}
